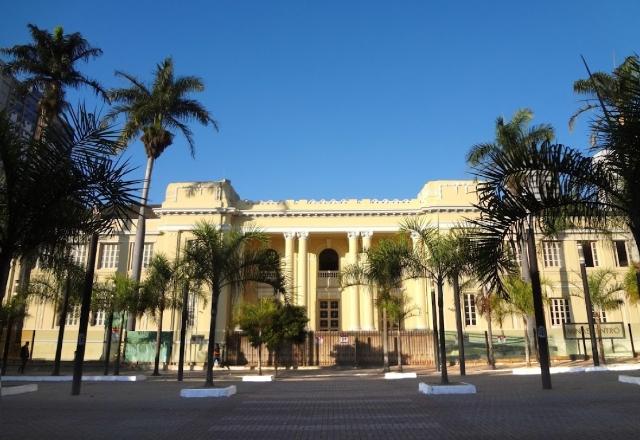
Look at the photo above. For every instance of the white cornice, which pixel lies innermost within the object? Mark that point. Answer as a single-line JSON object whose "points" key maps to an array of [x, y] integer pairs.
{"points": [[195, 211]]}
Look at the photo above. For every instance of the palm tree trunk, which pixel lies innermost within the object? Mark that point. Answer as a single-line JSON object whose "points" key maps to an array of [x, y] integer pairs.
{"points": [[7, 345], [443, 349], [527, 341], [62, 322], [260, 357], [385, 342], [600, 342], [456, 302], [138, 247], [399, 349], [492, 356], [116, 368], [5, 269], [212, 335], [156, 362], [525, 274], [107, 351]]}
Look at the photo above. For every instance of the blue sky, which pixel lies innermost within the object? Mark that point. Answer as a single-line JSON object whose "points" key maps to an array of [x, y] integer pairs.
{"points": [[342, 99]]}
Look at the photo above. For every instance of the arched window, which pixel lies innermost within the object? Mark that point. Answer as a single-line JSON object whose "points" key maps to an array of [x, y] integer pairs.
{"points": [[328, 260]]}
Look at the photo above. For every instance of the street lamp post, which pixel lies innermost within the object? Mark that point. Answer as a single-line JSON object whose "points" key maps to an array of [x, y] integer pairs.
{"points": [[587, 302]]}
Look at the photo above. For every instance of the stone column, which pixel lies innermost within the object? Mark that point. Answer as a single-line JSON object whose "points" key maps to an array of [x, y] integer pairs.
{"points": [[289, 243], [302, 281], [354, 291], [418, 294], [367, 297]]}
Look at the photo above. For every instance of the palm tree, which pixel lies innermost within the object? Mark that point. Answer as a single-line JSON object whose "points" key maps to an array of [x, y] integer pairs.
{"points": [[605, 296], [460, 264], [398, 310], [387, 265], [256, 320], [510, 136], [161, 293], [519, 301], [221, 258], [491, 306], [152, 112], [49, 65], [60, 283], [435, 256], [14, 309]]}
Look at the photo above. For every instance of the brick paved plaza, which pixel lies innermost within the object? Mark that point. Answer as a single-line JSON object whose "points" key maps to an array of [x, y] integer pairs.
{"points": [[322, 405]]}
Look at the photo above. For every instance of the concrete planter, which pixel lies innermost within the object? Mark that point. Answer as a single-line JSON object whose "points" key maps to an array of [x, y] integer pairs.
{"points": [[629, 379], [461, 388], [208, 392], [18, 389], [396, 375], [137, 378], [266, 378]]}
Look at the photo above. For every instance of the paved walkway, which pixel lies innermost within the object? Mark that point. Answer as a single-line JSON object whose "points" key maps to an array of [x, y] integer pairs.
{"points": [[313, 406]]}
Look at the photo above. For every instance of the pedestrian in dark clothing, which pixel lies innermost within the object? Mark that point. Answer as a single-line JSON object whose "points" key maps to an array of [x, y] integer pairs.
{"points": [[24, 357]]}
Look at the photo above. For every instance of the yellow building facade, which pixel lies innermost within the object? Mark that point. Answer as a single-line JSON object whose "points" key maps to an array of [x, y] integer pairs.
{"points": [[315, 239]]}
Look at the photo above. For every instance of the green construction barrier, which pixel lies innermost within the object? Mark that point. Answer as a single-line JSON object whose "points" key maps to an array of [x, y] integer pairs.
{"points": [[141, 346]]}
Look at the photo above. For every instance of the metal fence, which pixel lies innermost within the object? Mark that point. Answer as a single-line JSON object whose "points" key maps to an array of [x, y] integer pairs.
{"points": [[327, 348]]}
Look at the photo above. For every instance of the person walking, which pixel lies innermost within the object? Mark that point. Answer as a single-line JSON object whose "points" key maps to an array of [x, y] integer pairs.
{"points": [[24, 357]]}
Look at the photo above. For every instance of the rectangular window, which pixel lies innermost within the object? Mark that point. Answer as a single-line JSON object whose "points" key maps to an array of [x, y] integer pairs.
{"points": [[79, 255], [590, 253], [147, 253], [560, 313], [601, 313], [622, 258], [328, 315], [551, 253], [73, 316], [99, 321], [110, 256], [469, 309]]}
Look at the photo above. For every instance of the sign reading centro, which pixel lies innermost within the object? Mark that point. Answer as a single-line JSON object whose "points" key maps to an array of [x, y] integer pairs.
{"points": [[610, 330]]}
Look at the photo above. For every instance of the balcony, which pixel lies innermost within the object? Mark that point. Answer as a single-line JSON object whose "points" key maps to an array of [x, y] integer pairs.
{"points": [[328, 279]]}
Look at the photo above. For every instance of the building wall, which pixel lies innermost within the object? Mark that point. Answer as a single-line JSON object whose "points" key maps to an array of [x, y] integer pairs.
{"points": [[299, 230]]}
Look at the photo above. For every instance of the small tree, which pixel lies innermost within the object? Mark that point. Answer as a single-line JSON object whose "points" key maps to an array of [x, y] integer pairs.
{"points": [[14, 309], [256, 320], [59, 283], [288, 326], [605, 293], [160, 293], [398, 310]]}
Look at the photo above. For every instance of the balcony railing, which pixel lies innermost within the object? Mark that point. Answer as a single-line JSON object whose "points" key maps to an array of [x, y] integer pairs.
{"points": [[328, 278]]}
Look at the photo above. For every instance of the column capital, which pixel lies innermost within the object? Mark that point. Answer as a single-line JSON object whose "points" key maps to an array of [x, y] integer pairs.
{"points": [[289, 235], [366, 234], [302, 235], [353, 234]]}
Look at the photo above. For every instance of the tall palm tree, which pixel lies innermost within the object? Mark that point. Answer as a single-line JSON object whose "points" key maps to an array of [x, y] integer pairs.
{"points": [[387, 265], [221, 258], [152, 112], [510, 135], [605, 293], [49, 64], [514, 135]]}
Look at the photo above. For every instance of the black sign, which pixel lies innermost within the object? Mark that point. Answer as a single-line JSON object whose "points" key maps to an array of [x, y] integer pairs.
{"points": [[609, 330]]}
